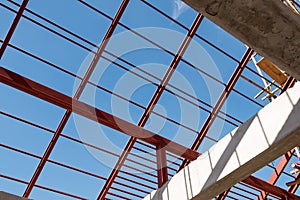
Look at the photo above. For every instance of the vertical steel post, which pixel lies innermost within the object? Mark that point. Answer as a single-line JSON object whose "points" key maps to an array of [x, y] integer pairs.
{"points": [[162, 168]]}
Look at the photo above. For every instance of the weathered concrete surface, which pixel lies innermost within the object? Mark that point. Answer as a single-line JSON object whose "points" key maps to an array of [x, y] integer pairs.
{"points": [[273, 131], [267, 26], [8, 196]]}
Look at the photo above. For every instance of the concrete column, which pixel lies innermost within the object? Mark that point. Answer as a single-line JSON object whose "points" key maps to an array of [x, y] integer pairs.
{"points": [[8, 196], [268, 27], [273, 131]]}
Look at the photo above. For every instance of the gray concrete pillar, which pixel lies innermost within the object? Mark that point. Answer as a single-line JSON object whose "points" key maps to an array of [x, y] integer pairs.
{"points": [[268, 27]]}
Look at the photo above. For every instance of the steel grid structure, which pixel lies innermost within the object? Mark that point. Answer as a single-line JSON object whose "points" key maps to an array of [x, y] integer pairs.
{"points": [[133, 176]]}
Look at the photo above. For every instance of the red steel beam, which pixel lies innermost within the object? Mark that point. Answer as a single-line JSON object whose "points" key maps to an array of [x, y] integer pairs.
{"points": [[229, 87], [78, 93], [151, 105], [52, 96], [13, 27], [272, 189]]}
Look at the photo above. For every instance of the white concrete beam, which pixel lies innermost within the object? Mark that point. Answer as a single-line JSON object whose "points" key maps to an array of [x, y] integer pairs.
{"points": [[267, 26], [273, 131]]}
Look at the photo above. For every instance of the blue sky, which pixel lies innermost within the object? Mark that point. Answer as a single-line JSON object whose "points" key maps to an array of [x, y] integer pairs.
{"points": [[81, 20]]}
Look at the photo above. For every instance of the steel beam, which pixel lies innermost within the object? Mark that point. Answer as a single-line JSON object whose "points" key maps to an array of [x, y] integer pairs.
{"points": [[269, 27], [47, 94]]}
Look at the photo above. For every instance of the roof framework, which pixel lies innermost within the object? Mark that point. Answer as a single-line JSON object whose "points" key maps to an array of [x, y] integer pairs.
{"points": [[134, 176]]}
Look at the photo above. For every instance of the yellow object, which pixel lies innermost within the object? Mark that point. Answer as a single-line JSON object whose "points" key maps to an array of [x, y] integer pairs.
{"points": [[273, 71]]}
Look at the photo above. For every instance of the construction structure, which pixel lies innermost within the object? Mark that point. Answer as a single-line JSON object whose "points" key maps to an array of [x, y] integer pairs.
{"points": [[69, 79]]}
